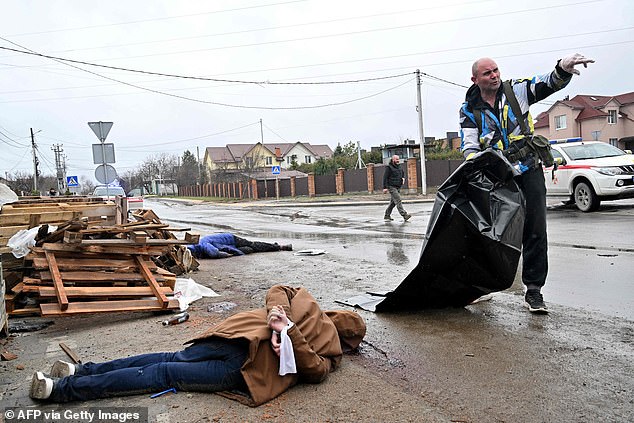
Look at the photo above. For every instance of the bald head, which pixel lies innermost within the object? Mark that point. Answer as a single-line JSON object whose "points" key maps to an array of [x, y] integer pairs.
{"points": [[481, 61], [486, 75]]}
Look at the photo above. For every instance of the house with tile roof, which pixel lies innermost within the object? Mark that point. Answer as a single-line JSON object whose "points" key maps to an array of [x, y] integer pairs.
{"points": [[591, 117], [258, 156]]}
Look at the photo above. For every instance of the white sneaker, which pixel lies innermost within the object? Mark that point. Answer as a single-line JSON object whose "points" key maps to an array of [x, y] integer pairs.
{"points": [[41, 386], [62, 369]]}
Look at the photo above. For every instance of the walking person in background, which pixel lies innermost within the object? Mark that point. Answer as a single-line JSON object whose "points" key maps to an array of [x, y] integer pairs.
{"points": [[393, 180]]}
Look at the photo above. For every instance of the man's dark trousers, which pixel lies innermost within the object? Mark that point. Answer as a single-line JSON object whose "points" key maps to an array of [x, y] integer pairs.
{"points": [[534, 240]]}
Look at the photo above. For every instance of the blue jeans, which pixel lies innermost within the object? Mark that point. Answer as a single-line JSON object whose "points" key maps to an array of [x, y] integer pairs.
{"points": [[206, 366]]}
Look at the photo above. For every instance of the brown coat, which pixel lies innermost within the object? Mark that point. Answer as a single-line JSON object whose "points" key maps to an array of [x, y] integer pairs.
{"points": [[314, 336]]}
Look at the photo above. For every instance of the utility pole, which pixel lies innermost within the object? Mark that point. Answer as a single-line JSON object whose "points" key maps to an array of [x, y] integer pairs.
{"points": [[64, 173], [199, 167], [419, 109], [35, 162], [266, 188], [59, 166], [360, 163]]}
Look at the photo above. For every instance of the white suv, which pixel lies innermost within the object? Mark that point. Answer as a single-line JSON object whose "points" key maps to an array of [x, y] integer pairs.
{"points": [[589, 172], [109, 193]]}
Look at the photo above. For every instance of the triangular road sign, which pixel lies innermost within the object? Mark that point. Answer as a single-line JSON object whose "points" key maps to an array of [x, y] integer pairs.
{"points": [[101, 129]]}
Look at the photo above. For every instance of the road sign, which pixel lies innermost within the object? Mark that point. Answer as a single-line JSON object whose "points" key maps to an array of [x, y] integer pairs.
{"points": [[276, 170], [100, 150], [105, 173], [72, 181], [100, 129]]}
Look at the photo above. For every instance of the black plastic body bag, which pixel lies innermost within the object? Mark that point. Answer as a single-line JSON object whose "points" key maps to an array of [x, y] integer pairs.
{"points": [[473, 241]]}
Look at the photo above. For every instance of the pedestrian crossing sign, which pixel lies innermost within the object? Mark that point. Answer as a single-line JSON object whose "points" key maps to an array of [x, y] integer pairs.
{"points": [[71, 181], [276, 170]]}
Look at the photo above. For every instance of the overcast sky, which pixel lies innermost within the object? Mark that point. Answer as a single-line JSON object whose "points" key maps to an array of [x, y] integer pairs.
{"points": [[283, 41]]}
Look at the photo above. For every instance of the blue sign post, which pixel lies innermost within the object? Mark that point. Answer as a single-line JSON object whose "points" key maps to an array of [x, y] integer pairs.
{"points": [[276, 170], [72, 181]]}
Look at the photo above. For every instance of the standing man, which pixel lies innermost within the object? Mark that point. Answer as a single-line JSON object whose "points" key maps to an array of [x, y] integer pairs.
{"points": [[393, 180], [489, 118]]}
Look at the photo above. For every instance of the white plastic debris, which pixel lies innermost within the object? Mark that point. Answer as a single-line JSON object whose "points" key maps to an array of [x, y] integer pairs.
{"points": [[21, 241], [186, 291], [309, 252]]}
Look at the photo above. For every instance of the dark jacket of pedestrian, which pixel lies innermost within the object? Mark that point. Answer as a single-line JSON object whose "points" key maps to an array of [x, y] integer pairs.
{"points": [[318, 337], [393, 176]]}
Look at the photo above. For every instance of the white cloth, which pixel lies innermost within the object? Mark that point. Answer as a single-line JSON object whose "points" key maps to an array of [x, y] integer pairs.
{"points": [[186, 291], [287, 356]]}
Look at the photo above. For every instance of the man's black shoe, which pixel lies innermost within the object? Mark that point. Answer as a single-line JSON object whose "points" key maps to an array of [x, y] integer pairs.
{"points": [[535, 302], [387, 218]]}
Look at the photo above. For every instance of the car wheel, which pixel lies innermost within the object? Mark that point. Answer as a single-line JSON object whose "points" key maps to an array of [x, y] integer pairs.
{"points": [[585, 197]]}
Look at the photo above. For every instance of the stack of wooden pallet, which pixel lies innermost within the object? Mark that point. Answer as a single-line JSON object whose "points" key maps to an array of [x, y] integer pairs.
{"points": [[26, 214], [82, 268], [30, 212]]}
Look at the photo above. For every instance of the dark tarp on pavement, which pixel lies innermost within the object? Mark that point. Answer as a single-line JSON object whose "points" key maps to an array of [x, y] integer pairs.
{"points": [[473, 240]]}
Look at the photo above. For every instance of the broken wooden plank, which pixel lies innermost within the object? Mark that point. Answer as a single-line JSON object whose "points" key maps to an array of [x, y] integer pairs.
{"points": [[120, 264], [57, 281], [86, 277], [154, 250], [72, 237], [192, 238], [26, 311], [104, 291], [126, 242], [70, 353], [151, 280], [139, 237], [53, 309], [54, 217]]}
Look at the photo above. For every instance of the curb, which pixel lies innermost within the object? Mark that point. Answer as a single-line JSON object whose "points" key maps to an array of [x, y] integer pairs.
{"points": [[283, 203]]}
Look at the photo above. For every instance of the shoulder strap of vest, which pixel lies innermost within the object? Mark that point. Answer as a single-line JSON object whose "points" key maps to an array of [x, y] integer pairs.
{"points": [[477, 115], [515, 106]]}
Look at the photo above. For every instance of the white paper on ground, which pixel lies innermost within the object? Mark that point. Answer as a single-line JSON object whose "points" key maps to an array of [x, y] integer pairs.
{"points": [[186, 291], [309, 252]]}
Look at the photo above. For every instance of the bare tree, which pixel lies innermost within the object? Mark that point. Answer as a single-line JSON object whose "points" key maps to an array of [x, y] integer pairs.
{"points": [[87, 186]]}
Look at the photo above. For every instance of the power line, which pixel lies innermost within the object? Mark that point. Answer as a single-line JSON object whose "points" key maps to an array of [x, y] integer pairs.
{"points": [[265, 28], [278, 135], [349, 61], [217, 103], [364, 31], [159, 19], [212, 102], [199, 78]]}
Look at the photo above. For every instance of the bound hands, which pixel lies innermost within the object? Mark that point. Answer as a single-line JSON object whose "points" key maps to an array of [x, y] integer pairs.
{"points": [[277, 321], [568, 63]]}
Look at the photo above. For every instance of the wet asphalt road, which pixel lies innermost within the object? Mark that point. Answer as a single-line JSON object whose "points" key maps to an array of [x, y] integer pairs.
{"points": [[591, 254], [488, 362]]}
